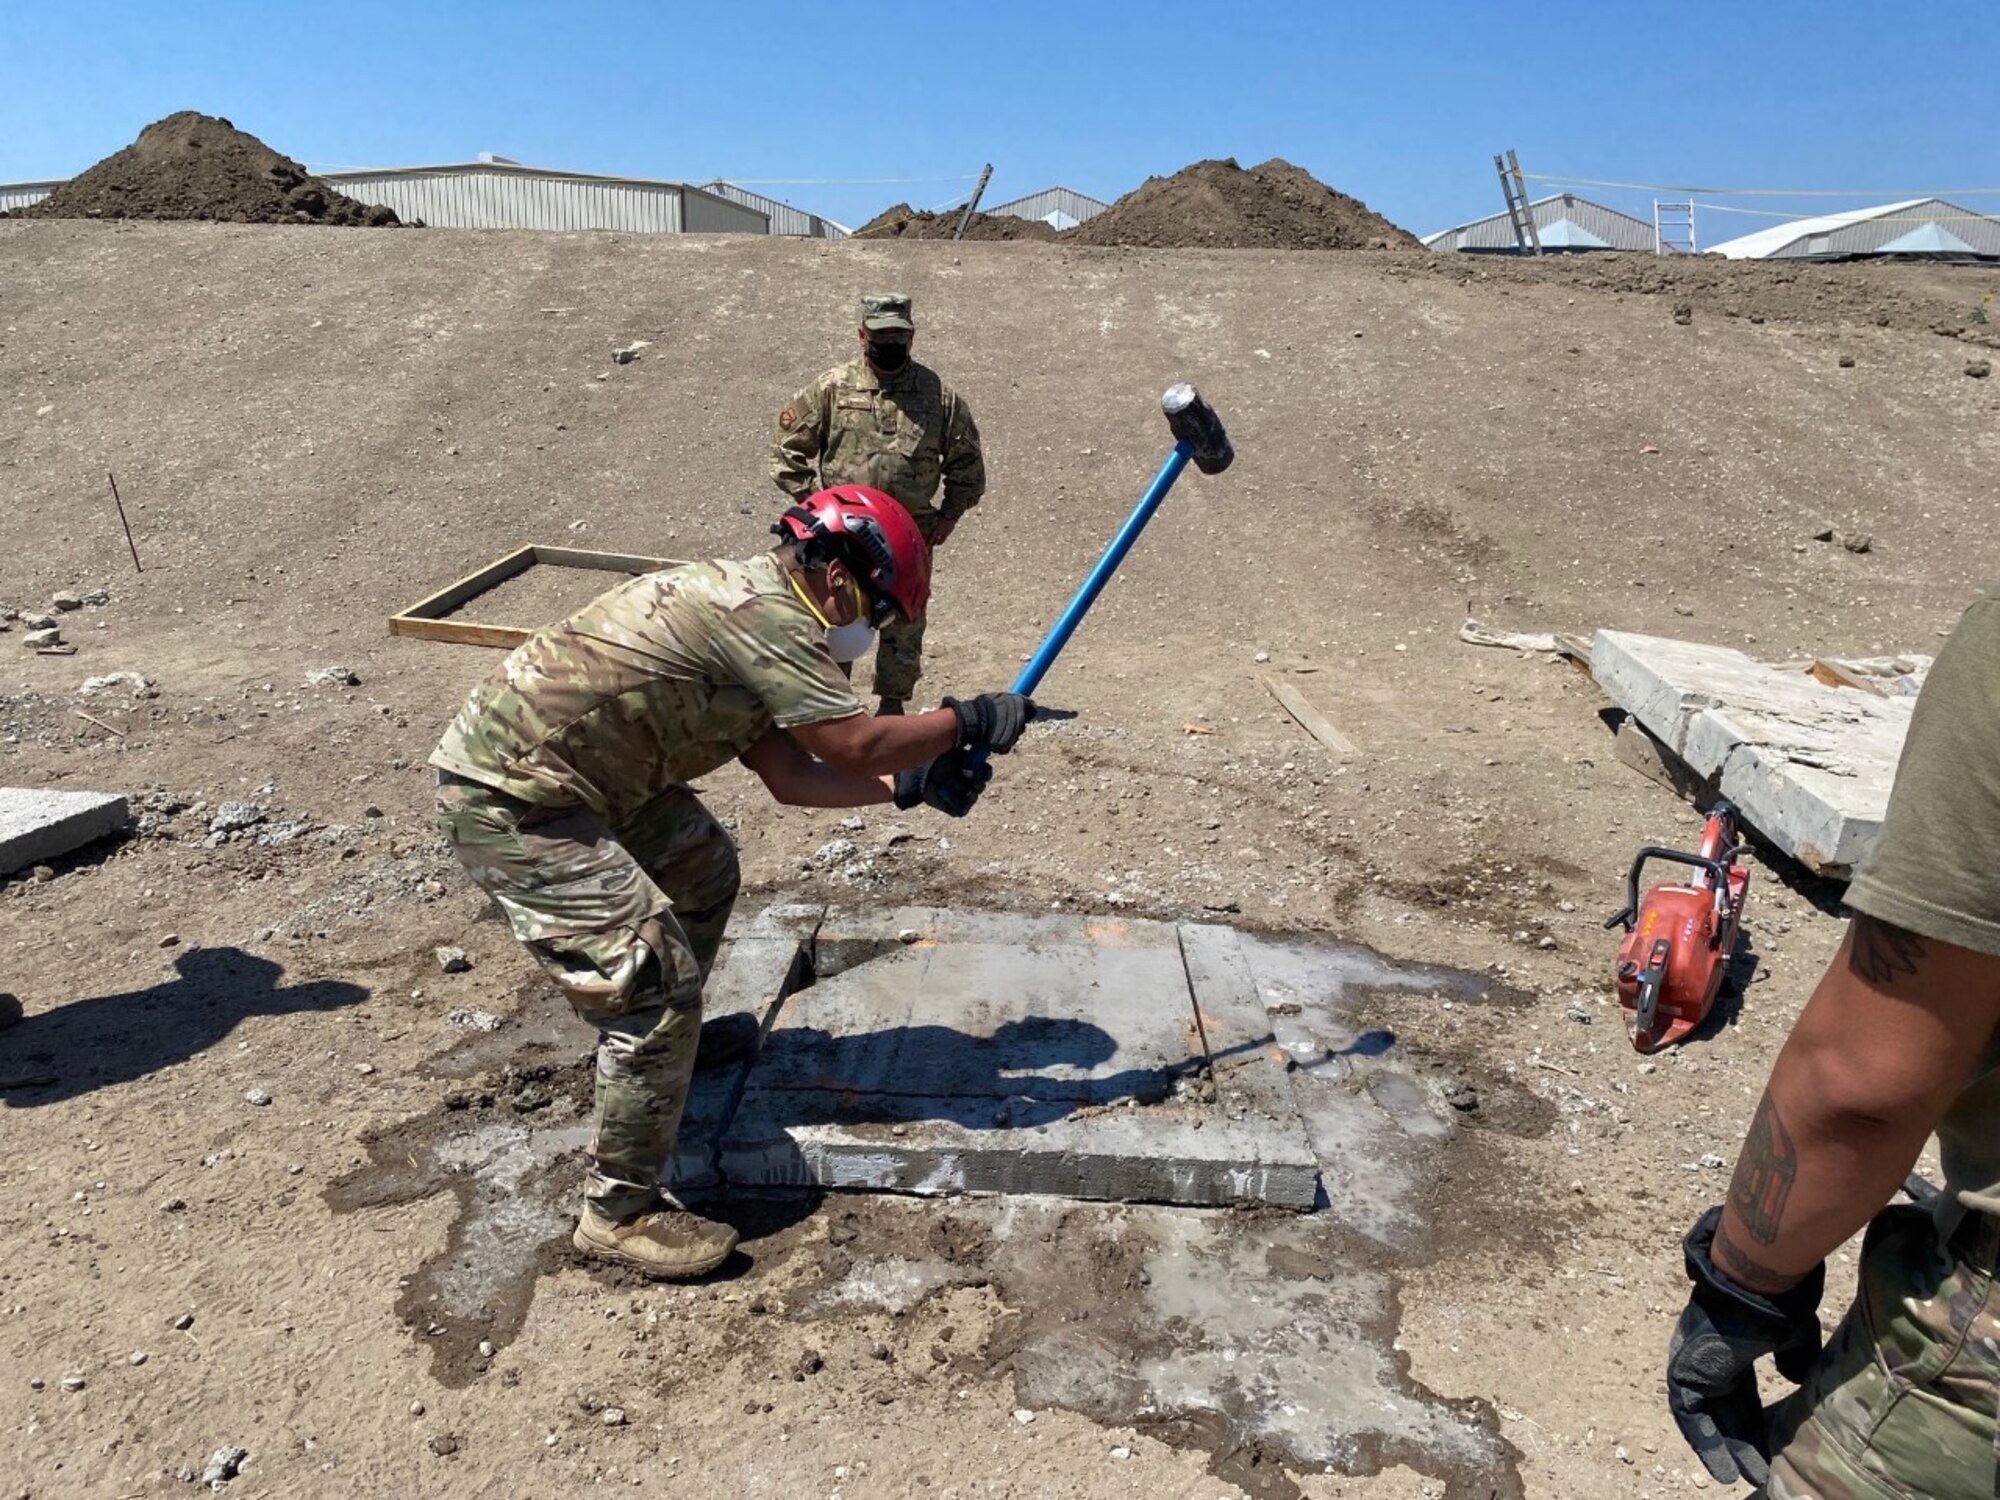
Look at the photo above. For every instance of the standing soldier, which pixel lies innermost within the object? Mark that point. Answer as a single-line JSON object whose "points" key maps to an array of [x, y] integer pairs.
{"points": [[563, 788], [886, 421]]}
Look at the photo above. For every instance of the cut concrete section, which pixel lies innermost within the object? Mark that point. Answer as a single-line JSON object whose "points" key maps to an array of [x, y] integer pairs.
{"points": [[942, 1052], [1809, 765], [37, 826]]}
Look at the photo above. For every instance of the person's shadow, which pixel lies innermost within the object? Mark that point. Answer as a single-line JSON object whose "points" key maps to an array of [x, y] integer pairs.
{"points": [[110, 1039], [1031, 1071]]}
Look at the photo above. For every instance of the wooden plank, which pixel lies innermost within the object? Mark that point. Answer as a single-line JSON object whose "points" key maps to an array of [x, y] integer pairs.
{"points": [[1309, 718], [1838, 674], [458, 632], [425, 620], [1637, 747], [609, 562], [471, 586]]}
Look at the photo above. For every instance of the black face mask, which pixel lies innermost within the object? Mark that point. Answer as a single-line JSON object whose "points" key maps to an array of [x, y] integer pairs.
{"points": [[887, 357]]}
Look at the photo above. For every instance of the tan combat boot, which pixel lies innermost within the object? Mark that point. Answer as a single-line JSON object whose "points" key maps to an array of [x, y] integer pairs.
{"points": [[669, 1243]]}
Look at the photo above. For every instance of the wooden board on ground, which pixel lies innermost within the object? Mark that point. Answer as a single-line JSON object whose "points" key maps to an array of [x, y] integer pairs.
{"points": [[429, 618], [1309, 718]]}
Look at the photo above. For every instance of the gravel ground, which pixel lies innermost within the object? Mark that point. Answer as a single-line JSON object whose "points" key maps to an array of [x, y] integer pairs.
{"points": [[311, 431]]}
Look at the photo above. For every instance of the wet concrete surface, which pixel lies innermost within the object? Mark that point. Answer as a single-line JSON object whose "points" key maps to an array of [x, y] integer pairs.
{"points": [[1262, 1336]]}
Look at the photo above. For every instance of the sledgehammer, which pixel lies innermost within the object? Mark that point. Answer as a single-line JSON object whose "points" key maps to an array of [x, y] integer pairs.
{"points": [[1198, 435]]}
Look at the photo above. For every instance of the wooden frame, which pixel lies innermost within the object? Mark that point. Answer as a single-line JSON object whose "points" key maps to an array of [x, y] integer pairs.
{"points": [[426, 620]]}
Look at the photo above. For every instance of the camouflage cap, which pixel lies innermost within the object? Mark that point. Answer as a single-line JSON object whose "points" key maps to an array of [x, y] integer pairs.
{"points": [[886, 310]]}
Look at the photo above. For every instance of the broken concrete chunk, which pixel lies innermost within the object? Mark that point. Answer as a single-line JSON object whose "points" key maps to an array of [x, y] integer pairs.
{"points": [[223, 1465], [1809, 765], [452, 960], [138, 686], [37, 825], [36, 640], [232, 817], [65, 600], [332, 677]]}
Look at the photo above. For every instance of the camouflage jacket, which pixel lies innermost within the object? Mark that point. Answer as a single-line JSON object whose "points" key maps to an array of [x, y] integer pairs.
{"points": [[653, 683], [904, 434]]}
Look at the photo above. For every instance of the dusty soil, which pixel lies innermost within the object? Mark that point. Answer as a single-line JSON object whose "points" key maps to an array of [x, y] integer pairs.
{"points": [[196, 166], [1219, 205], [900, 221], [310, 431]]}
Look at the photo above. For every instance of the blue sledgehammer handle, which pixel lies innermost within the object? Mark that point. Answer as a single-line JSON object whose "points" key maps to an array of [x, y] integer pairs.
{"points": [[1072, 616], [1198, 435]]}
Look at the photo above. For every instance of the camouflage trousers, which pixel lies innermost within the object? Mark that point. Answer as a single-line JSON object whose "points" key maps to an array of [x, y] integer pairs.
{"points": [[899, 660], [899, 648], [1902, 1403], [627, 921]]}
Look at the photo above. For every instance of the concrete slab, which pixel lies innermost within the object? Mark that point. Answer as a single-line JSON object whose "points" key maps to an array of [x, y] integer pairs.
{"points": [[754, 973], [37, 826], [943, 1051], [1809, 765]]}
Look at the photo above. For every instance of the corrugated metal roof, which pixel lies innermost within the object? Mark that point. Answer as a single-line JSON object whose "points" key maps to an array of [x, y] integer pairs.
{"points": [[1060, 206], [15, 195], [503, 195], [1880, 230], [1589, 226], [785, 219]]}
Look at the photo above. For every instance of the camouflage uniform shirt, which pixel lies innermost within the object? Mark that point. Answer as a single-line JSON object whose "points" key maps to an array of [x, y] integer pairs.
{"points": [[904, 434], [652, 684]]}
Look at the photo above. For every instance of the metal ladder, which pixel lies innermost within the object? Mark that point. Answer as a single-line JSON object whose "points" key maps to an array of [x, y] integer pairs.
{"points": [[1673, 228], [1519, 213]]}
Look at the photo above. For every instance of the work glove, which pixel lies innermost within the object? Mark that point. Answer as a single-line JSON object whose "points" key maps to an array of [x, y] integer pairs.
{"points": [[1712, 1361], [951, 783], [991, 721]]}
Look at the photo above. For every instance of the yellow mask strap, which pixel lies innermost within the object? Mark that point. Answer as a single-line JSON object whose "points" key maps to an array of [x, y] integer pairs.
{"points": [[807, 600]]}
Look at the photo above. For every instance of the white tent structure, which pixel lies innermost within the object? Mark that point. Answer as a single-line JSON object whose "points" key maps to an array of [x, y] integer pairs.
{"points": [[1919, 226]]}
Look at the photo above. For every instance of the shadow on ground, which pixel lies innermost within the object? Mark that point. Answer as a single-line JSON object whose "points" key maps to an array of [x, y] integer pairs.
{"points": [[75, 1049]]}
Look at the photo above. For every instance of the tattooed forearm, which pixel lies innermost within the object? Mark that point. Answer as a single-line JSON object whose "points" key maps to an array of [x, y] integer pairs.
{"points": [[1745, 1270], [1765, 1173], [1882, 952]]}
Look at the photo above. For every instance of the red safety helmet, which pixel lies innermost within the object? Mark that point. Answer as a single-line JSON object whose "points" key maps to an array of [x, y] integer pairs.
{"points": [[875, 537]]}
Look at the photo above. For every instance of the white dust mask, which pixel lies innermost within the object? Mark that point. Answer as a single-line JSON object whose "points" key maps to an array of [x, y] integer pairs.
{"points": [[850, 641]]}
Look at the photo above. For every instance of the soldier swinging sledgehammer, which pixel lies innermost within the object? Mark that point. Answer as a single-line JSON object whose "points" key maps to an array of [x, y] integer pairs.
{"points": [[563, 788]]}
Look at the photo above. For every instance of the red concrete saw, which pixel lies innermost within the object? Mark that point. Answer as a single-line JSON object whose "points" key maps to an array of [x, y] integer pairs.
{"points": [[1679, 938]]}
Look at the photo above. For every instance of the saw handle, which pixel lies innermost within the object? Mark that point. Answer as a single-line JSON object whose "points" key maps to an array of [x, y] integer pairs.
{"points": [[1719, 868]]}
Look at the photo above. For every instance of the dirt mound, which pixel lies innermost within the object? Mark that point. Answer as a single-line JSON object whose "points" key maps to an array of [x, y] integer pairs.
{"points": [[195, 166], [1217, 204], [902, 222]]}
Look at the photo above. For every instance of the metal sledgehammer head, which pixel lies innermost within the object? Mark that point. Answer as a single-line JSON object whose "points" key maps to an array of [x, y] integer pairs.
{"points": [[1194, 422]]}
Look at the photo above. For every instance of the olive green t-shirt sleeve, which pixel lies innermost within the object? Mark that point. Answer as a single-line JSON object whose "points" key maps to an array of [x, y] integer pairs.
{"points": [[1936, 869], [778, 651]]}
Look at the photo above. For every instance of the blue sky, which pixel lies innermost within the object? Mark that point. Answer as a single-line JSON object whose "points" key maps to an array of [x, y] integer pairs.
{"points": [[1401, 104]]}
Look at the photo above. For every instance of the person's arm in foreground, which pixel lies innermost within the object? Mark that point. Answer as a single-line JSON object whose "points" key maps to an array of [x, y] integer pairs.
{"points": [[1881, 1050], [1888, 1040], [798, 780], [1884, 1045], [841, 762]]}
